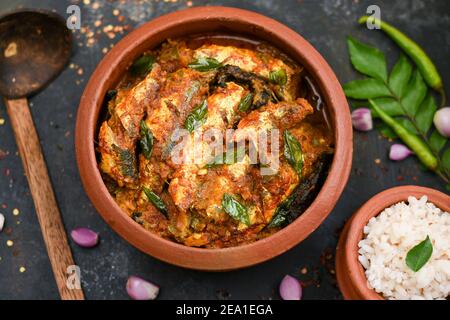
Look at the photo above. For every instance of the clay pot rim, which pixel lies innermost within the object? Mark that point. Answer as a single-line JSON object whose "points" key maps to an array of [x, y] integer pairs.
{"points": [[227, 258], [356, 278]]}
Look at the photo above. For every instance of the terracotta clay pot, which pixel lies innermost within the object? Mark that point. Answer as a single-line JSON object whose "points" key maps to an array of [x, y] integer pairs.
{"points": [[350, 273], [230, 21]]}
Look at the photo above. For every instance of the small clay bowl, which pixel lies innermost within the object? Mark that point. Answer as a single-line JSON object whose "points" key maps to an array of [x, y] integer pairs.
{"points": [[206, 20], [350, 274]]}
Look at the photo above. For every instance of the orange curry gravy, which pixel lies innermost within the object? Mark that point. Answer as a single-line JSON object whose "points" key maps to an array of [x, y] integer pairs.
{"points": [[220, 82]]}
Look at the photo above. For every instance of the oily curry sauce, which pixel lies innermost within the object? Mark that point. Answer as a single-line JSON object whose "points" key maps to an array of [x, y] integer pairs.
{"points": [[213, 82]]}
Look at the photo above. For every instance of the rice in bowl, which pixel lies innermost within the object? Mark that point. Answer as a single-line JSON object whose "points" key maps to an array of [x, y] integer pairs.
{"points": [[387, 239]]}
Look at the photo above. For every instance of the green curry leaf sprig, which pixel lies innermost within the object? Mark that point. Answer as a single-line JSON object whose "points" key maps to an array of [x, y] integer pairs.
{"points": [[402, 101]]}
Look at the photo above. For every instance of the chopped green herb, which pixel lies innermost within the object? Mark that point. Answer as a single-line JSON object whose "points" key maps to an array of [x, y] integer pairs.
{"points": [[235, 209], [278, 77], [197, 117], [156, 201], [146, 141], [293, 152], [246, 102], [203, 64], [419, 255], [142, 65]]}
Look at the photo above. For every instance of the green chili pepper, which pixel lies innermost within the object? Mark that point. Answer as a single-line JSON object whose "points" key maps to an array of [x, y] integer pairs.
{"points": [[414, 51], [411, 140]]}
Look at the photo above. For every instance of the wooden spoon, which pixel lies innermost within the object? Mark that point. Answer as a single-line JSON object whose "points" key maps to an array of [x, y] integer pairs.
{"points": [[34, 48]]}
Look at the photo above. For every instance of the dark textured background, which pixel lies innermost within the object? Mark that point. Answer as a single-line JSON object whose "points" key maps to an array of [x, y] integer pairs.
{"points": [[106, 268]]}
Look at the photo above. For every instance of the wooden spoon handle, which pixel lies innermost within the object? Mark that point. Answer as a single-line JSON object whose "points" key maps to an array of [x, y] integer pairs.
{"points": [[44, 199]]}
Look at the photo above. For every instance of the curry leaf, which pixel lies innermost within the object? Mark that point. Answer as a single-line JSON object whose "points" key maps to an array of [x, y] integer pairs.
{"points": [[400, 75], [146, 141], [408, 125], [425, 114], [278, 77], [367, 60], [204, 64], [419, 255], [197, 117], [389, 105], [366, 89], [437, 141], [404, 99], [142, 65], [246, 102], [293, 152], [415, 93], [446, 160], [235, 209], [156, 201]]}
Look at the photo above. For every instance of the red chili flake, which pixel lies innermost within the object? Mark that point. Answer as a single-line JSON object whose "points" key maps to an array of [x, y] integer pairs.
{"points": [[6, 172], [400, 178]]}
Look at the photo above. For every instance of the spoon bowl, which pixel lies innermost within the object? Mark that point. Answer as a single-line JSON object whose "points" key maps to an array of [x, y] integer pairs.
{"points": [[34, 48]]}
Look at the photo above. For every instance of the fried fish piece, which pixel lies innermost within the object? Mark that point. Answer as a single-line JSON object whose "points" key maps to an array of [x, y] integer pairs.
{"points": [[254, 62], [118, 135]]}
